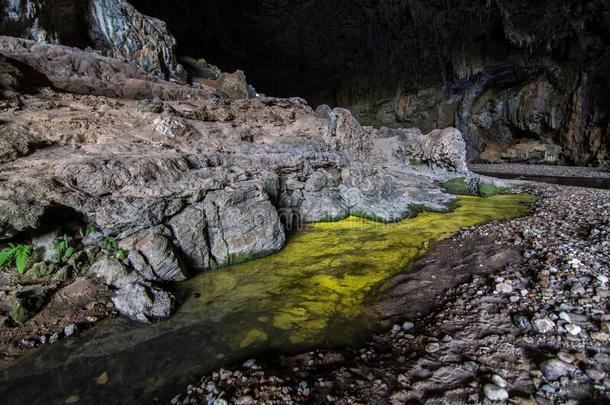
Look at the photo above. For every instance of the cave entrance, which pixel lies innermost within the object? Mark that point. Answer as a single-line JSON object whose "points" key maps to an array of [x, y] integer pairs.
{"points": [[350, 53]]}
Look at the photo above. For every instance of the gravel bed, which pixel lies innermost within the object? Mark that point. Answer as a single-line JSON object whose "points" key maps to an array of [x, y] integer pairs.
{"points": [[542, 170]]}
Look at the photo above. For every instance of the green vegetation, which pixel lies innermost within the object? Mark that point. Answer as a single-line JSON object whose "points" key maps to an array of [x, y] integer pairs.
{"points": [[90, 230], [415, 162], [489, 189], [112, 247], [364, 215], [63, 249], [460, 186], [17, 255], [18, 312], [457, 186]]}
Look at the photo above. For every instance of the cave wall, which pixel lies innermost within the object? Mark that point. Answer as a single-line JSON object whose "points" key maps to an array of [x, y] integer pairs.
{"points": [[113, 27], [502, 71], [522, 80]]}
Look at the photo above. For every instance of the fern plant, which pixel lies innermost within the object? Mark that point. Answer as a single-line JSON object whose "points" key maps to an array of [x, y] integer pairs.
{"points": [[17, 255], [112, 247], [63, 249]]}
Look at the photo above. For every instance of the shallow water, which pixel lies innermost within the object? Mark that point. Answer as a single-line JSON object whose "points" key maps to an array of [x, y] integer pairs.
{"points": [[311, 294]]}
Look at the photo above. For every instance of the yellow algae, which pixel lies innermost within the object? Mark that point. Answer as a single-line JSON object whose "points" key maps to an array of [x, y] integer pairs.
{"points": [[253, 336], [326, 272]]}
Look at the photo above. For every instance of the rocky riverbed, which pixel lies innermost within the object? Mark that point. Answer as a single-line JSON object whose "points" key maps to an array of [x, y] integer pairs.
{"points": [[534, 331]]}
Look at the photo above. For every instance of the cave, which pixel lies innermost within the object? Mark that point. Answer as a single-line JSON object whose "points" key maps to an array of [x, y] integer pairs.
{"points": [[334, 202], [418, 63]]}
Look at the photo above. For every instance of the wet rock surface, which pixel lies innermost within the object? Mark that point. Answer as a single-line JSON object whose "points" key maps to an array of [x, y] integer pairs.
{"points": [[477, 344]]}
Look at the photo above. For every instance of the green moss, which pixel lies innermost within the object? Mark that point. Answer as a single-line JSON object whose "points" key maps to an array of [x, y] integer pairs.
{"points": [[18, 312], [415, 162], [327, 272], [488, 189], [457, 186], [330, 218], [364, 215]]}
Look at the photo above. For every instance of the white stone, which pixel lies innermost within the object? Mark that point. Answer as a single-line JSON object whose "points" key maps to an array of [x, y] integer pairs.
{"points": [[504, 288], [565, 317], [432, 347], [495, 393], [573, 329], [499, 381], [566, 357], [408, 325], [543, 325]]}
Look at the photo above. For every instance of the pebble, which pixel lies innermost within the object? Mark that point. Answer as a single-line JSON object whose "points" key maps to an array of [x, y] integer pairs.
{"points": [[577, 289], [566, 357], [245, 400], [563, 315], [499, 381], [70, 330], [595, 375], [601, 336], [495, 393], [572, 329], [249, 363], [521, 322], [554, 369], [408, 326], [433, 347], [504, 288], [544, 325]]}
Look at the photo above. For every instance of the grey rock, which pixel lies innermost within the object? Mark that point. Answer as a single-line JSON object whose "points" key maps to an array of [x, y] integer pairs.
{"points": [[521, 321], [151, 46], [70, 330], [543, 325], [190, 231], [113, 272], [495, 393], [596, 375], [504, 288], [554, 369], [499, 381], [433, 347], [242, 224], [160, 255], [140, 301], [572, 329], [566, 357], [406, 326], [344, 132]]}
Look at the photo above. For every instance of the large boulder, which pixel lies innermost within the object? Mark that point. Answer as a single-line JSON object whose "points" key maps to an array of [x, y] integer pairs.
{"points": [[159, 253], [141, 302], [113, 272], [440, 149], [190, 231], [344, 132], [242, 224]]}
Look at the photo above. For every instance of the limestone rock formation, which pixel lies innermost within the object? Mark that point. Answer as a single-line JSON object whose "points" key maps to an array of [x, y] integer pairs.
{"points": [[111, 26], [187, 184], [500, 71]]}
